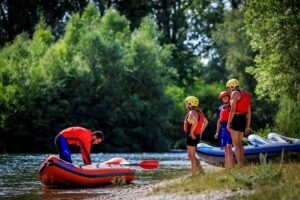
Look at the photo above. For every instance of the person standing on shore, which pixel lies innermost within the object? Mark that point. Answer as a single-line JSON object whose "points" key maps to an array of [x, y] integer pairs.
{"points": [[226, 141], [194, 124], [239, 117]]}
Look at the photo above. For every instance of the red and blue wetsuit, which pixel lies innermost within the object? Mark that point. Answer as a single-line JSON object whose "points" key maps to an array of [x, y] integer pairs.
{"points": [[74, 136], [223, 115]]}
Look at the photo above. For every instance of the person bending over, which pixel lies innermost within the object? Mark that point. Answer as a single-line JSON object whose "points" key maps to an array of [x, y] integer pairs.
{"points": [[80, 137]]}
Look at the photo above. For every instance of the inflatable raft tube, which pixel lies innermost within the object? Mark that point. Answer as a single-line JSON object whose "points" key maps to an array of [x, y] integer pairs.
{"points": [[258, 145], [55, 172]]}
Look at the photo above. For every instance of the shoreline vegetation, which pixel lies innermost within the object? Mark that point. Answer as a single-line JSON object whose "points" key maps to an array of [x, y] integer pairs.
{"points": [[264, 180]]}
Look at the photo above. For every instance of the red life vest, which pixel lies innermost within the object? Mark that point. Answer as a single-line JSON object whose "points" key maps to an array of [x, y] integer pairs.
{"points": [[80, 137], [224, 113], [187, 126], [243, 104]]}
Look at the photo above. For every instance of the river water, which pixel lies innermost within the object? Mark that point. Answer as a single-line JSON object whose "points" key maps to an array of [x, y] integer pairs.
{"points": [[19, 174]]}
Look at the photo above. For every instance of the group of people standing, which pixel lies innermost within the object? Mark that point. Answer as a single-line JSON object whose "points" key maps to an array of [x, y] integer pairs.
{"points": [[234, 118]]}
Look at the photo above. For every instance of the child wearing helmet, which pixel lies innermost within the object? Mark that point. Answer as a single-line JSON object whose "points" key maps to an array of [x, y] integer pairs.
{"points": [[194, 124], [239, 117], [223, 114]]}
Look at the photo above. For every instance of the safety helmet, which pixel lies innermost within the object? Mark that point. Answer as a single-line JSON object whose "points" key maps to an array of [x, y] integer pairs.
{"points": [[232, 83], [224, 94], [191, 100]]}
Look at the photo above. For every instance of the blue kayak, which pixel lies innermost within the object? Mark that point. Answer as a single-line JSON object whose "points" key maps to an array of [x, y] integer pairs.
{"points": [[271, 147]]}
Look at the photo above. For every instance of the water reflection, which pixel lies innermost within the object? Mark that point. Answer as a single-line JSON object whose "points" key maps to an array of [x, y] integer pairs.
{"points": [[19, 176]]}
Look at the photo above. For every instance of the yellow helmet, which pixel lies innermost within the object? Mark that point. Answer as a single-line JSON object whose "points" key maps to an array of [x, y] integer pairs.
{"points": [[191, 100], [232, 83]]}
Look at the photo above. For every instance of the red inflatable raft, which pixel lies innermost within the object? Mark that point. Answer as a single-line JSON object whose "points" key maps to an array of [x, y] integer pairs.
{"points": [[56, 172]]}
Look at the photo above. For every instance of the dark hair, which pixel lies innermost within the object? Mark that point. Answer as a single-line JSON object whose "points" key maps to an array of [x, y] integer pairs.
{"points": [[98, 134]]}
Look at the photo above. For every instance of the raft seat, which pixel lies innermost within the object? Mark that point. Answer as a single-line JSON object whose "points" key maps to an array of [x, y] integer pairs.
{"points": [[257, 140]]}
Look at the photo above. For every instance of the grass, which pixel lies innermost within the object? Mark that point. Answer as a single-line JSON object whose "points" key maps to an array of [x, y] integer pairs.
{"points": [[263, 181], [118, 181]]}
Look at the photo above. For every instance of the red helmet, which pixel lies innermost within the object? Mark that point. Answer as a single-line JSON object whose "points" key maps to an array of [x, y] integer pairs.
{"points": [[224, 94]]}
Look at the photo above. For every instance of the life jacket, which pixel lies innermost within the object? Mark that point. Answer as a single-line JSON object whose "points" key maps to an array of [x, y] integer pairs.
{"points": [[224, 113], [243, 104], [187, 126], [80, 137]]}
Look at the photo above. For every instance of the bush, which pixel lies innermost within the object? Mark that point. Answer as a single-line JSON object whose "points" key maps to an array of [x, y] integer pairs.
{"points": [[261, 175], [288, 117]]}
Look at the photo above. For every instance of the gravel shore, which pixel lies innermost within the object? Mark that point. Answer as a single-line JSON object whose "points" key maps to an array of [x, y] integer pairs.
{"points": [[145, 192]]}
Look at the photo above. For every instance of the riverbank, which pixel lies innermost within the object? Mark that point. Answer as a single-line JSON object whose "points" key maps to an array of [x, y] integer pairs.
{"points": [[260, 181], [148, 191]]}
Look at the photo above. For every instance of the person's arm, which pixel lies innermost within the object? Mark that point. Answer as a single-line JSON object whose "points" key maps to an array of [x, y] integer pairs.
{"points": [[86, 157], [193, 117], [218, 123], [247, 129], [218, 129], [205, 122], [86, 149]]}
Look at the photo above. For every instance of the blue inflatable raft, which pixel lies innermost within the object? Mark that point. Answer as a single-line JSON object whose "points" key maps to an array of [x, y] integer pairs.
{"points": [[273, 146]]}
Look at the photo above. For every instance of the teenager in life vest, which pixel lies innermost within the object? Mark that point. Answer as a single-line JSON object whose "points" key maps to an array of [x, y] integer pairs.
{"points": [[226, 141], [239, 117], [194, 124], [80, 137]]}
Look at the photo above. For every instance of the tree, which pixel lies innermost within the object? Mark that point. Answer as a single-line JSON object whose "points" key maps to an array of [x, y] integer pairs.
{"points": [[99, 75], [273, 27], [23, 15], [274, 30], [234, 47], [21, 85]]}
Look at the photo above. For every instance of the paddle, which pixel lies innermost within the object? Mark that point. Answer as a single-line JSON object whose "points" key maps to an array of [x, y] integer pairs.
{"points": [[146, 164]]}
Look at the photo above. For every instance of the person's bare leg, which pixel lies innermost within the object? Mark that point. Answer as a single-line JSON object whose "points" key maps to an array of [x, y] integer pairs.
{"points": [[237, 147], [194, 161], [189, 151], [198, 165], [241, 148], [229, 155], [226, 157]]}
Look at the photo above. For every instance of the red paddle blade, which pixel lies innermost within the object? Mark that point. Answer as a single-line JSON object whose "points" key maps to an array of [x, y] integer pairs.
{"points": [[149, 164]]}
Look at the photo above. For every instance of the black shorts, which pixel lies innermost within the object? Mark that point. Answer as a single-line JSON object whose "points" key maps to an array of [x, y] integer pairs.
{"points": [[238, 122], [190, 142]]}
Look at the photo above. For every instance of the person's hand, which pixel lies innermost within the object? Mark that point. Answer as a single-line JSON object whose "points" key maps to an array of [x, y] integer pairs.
{"points": [[228, 127], [247, 130], [193, 136], [216, 135]]}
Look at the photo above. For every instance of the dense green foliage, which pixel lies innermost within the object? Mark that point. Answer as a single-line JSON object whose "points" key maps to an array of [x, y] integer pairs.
{"points": [[98, 75], [274, 30], [126, 67]]}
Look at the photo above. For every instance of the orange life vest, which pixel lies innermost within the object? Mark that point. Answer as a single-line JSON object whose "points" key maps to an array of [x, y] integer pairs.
{"points": [[243, 104], [224, 113], [187, 126]]}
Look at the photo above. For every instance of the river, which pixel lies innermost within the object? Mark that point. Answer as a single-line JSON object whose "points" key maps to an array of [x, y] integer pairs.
{"points": [[19, 174]]}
